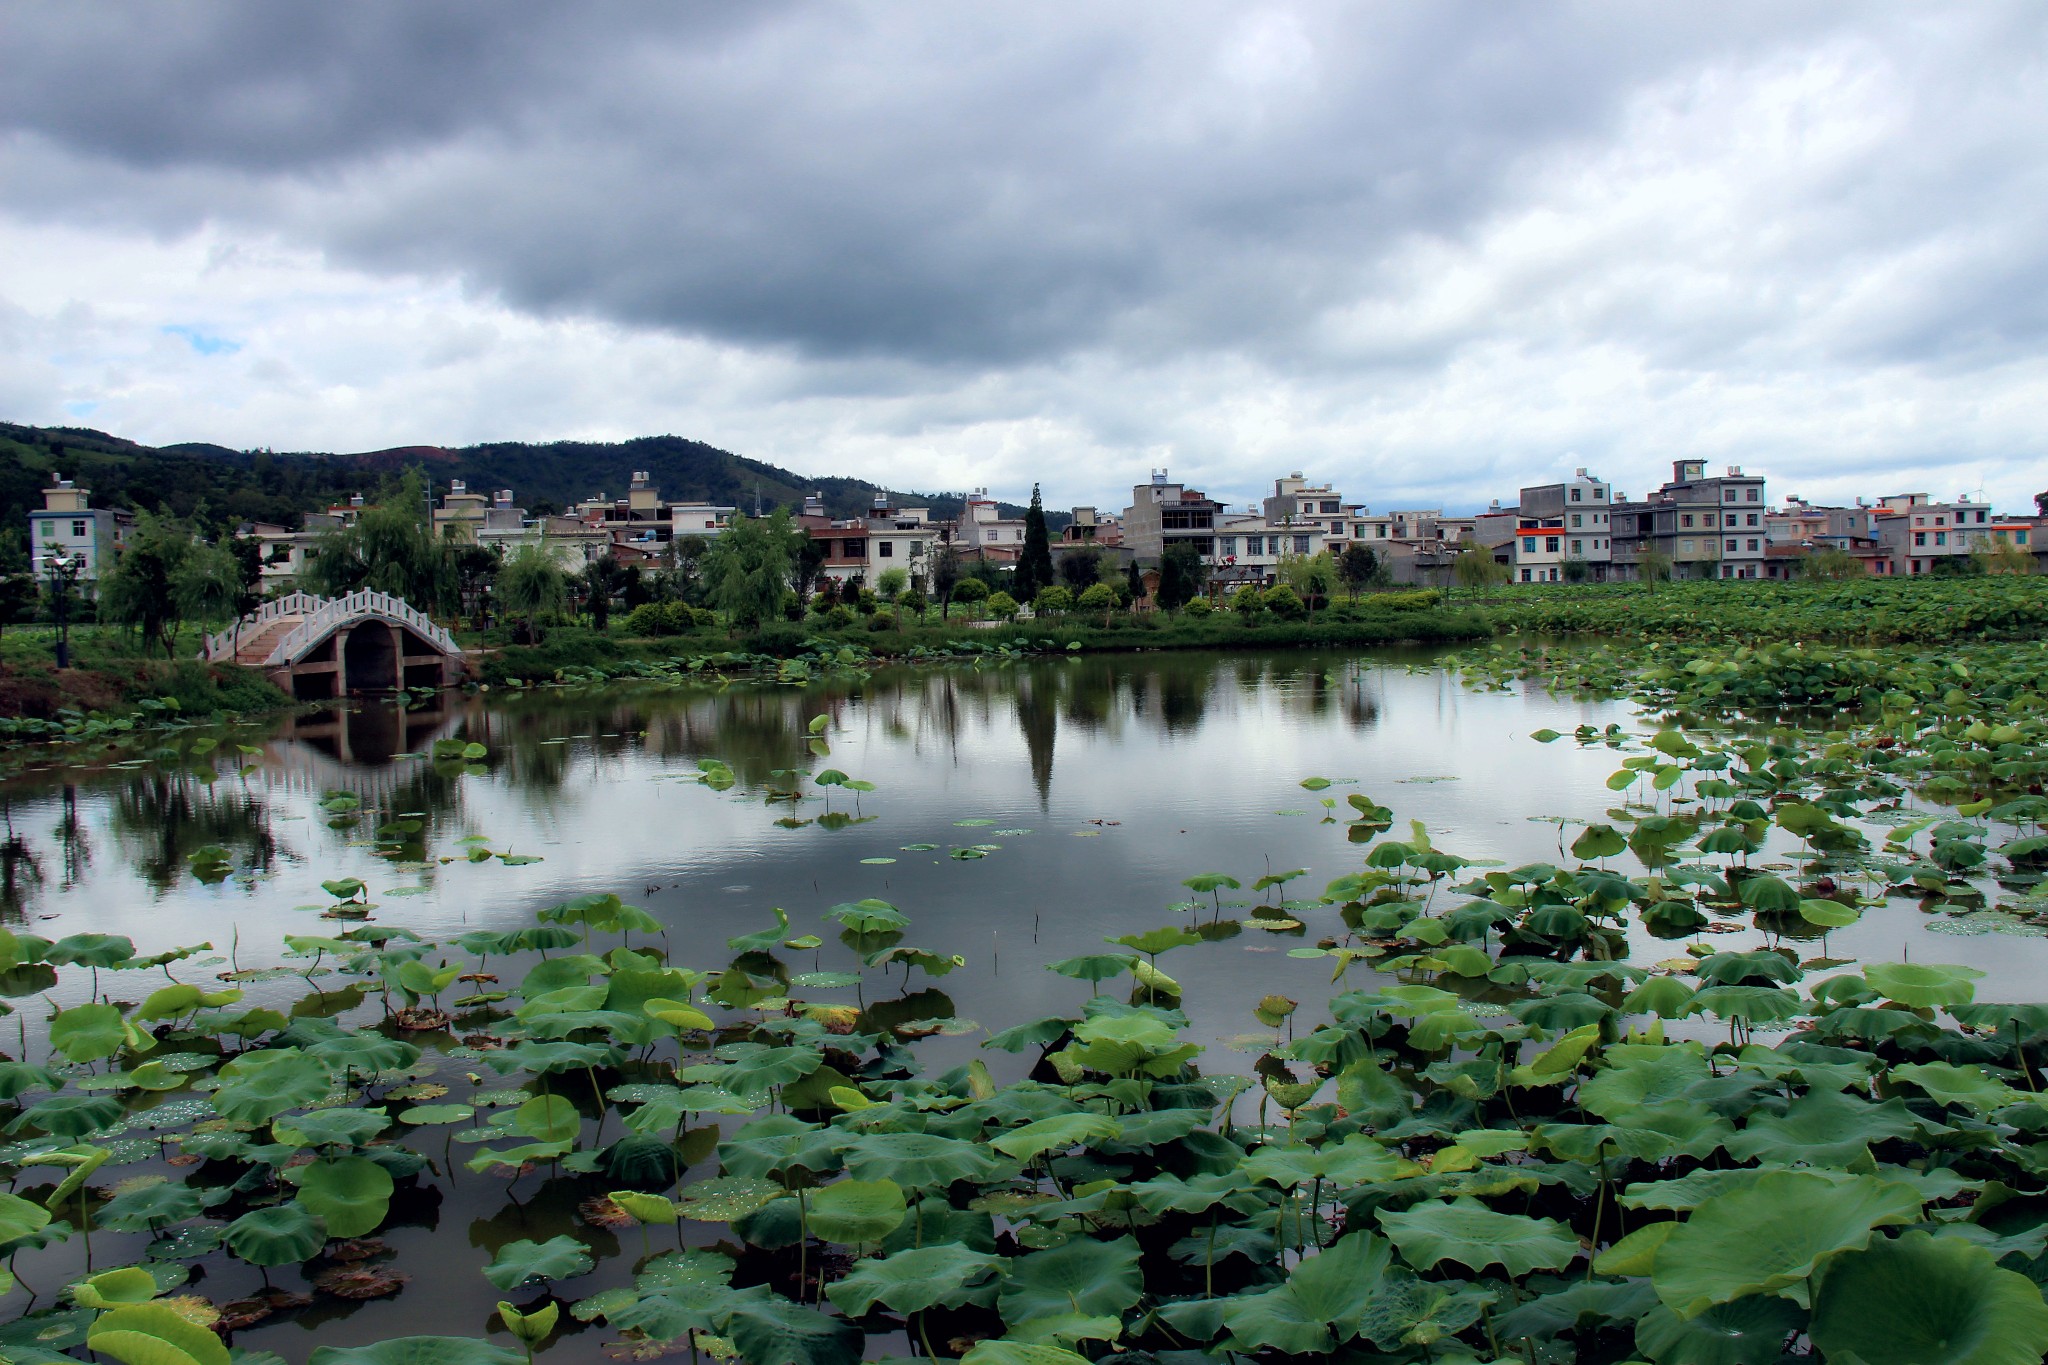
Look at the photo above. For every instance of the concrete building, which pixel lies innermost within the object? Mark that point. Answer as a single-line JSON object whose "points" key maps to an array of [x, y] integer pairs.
{"points": [[474, 518], [1705, 526], [1297, 502], [1251, 545], [1924, 536], [1562, 525], [702, 519], [867, 547], [68, 523], [981, 531], [1163, 514]]}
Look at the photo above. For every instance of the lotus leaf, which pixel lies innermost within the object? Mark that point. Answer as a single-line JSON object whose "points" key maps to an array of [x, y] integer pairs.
{"points": [[86, 1033], [417, 1351], [148, 1207], [1773, 1232], [558, 1258], [19, 1217], [1019, 1353], [351, 1193], [330, 1128], [1474, 1236], [1921, 1298], [1084, 1277], [725, 1198], [946, 1276], [1923, 984], [768, 1329], [856, 1211], [1823, 1128], [284, 1234], [155, 1334], [1748, 1331], [1055, 1134], [258, 1086], [916, 1160], [69, 1116], [1319, 1307]]}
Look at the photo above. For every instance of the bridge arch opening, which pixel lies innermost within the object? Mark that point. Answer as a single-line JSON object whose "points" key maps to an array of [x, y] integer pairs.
{"points": [[369, 658]]}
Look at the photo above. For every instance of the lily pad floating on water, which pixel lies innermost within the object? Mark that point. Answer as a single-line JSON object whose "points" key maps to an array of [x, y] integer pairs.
{"points": [[919, 848], [877, 862], [971, 823]]}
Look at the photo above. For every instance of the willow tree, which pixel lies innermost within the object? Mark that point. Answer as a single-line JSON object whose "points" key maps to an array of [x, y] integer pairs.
{"points": [[390, 548], [746, 569], [531, 585]]}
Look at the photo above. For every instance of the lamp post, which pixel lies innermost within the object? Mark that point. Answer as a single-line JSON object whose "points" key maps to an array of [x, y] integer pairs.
{"points": [[63, 569]]}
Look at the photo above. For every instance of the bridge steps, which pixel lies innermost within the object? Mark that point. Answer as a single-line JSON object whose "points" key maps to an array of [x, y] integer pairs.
{"points": [[256, 645]]}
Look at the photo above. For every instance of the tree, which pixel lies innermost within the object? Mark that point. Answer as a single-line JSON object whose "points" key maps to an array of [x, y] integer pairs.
{"points": [[601, 580], [1358, 566], [1576, 570], [1476, 569], [970, 590], [475, 569], [1098, 597], [1654, 567], [1053, 601], [746, 568], [390, 548], [1313, 577], [530, 585], [2008, 558], [1831, 562], [2041, 504], [1182, 575], [811, 554], [685, 556], [1134, 583], [248, 552], [1079, 568], [1002, 606], [1034, 566], [945, 578], [140, 590], [891, 583], [1248, 601], [208, 584]]}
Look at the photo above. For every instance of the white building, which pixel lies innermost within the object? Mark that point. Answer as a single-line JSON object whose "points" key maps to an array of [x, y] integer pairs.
{"points": [[68, 523]]}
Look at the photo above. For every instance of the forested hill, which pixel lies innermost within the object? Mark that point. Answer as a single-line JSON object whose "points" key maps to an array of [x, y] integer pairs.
{"points": [[226, 486]]}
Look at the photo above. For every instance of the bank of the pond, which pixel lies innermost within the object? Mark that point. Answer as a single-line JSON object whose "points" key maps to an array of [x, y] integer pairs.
{"points": [[40, 702], [584, 651]]}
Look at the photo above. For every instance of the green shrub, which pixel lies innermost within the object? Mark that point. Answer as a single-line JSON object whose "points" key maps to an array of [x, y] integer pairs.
{"points": [[883, 619], [1198, 608], [1053, 600], [840, 617], [1284, 603], [1002, 606]]}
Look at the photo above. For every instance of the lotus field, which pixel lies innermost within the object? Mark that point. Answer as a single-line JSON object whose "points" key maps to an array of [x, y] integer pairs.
{"points": [[1512, 1133]]}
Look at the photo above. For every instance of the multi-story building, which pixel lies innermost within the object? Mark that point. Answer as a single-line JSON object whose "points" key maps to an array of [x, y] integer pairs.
{"points": [[1706, 527], [471, 517], [982, 531], [1560, 525], [1924, 536], [1163, 514], [1416, 545], [88, 536], [1297, 502], [704, 520], [865, 548], [1251, 545]]}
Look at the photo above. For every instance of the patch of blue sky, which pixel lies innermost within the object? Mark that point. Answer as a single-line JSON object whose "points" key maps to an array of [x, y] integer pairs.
{"points": [[202, 341], [80, 407]]}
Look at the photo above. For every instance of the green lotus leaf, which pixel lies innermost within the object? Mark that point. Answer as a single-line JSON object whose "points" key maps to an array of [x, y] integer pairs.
{"points": [[1637, 1075], [330, 1128], [1828, 914], [916, 1160], [1823, 1128], [1923, 984], [768, 1329], [1019, 1353], [1922, 1298], [90, 950], [1474, 1236], [1772, 1233], [19, 1217], [18, 1078], [1968, 1086], [258, 1086], [1091, 1278], [112, 1288], [558, 1258], [417, 1351], [645, 1208], [754, 1075], [1357, 1160], [1748, 1331], [69, 1116], [437, 1113], [1768, 893], [283, 1234], [1055, 1134], [364, 1054], [351, 1193], [547, 1118], [856, 1211], [86, 1033], [1094, 968], [1319, 1307], [1155, 941], [1599, 841], [155, 1334], [1407, 1311], [946, 1276], [725, 1198], [149, 1207]]}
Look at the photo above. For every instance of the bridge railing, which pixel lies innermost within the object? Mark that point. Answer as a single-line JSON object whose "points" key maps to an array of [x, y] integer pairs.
{"points": [[222, 644], [333, 611]]}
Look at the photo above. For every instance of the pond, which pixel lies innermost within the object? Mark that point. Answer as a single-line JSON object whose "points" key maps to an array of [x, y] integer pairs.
{"points": [[1019, 815]]}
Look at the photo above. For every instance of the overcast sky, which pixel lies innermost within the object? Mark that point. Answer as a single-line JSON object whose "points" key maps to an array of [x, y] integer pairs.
{"points": [[1428, 251]]}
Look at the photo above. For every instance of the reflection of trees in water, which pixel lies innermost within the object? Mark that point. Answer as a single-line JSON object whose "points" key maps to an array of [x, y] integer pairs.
{"points": [[74, 844], [160, 818], [1038, 717], [21, 871]]}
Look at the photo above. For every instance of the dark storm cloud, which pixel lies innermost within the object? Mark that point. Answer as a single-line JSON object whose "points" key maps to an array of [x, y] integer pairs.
{"points": [[940, 183]]}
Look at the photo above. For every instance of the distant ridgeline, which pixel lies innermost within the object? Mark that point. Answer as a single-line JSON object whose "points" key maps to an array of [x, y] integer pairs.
{"points": [[231, 486]]}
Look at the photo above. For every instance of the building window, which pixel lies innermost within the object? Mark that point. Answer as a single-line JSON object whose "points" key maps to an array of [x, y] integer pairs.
{"points": [[1752, 519], [1576, 522], [1941, 537], [1685, 519], [1550, 544], [1255, 545], [887, 549], [1726, 571], [78, 530], [1329, 507], [1380, 532], [1755, 495], [1919, 537], [1731, 545], [1597, 493], [1578, 547], [1685, 547], [1525, 575], [1752, 547], [1553, 575], [1728, 495], [1301, 545], [1575, 495], [1226, 545]]}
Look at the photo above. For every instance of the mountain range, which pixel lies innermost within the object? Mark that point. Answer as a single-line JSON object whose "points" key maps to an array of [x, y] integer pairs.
{"points": [[222, 487]]}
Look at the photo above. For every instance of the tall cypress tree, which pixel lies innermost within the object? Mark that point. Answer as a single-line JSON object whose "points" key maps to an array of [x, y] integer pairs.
{"points": [[1034, 568]]}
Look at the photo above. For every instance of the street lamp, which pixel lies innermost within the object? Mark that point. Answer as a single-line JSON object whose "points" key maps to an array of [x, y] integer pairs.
{"points": [[63, 569]]}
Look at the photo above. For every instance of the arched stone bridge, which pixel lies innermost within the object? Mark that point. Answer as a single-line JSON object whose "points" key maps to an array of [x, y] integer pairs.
{"points": [[319, 647]]}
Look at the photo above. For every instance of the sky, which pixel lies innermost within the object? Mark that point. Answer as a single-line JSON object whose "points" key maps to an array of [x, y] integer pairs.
{"points": [[1426, 252]]}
